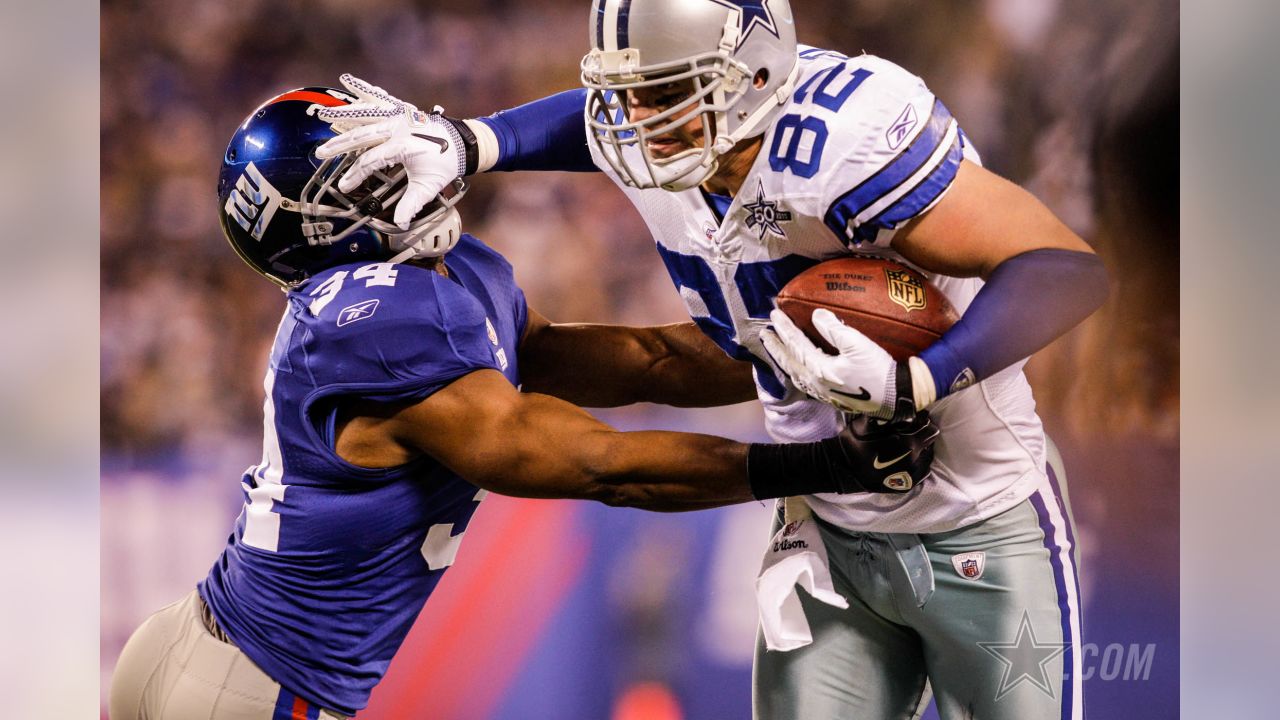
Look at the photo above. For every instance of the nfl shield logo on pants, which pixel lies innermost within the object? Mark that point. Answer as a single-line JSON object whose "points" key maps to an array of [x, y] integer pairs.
{"points": [[970, 565]]}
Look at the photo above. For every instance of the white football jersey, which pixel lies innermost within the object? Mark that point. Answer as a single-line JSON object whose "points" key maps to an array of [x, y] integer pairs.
{"points": [[862, 147]]}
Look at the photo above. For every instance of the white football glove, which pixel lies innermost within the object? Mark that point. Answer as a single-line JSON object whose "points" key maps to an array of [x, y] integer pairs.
{"points": [[863, 378], [394, 132]]}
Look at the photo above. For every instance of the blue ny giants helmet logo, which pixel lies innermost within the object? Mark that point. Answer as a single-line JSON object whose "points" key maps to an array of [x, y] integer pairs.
{"points": [[754, 13]]}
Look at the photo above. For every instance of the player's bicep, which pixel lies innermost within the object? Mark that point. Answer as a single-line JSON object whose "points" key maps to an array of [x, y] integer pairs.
{"points": [[610, 365], [981, 221], [534, 325]]}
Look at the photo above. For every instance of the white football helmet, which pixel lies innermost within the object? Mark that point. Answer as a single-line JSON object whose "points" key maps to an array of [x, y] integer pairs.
{"points": [[720, 45]]}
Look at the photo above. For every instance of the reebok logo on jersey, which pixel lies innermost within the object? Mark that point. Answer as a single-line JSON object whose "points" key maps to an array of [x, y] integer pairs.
{"points": [[359, 311], [901, 128]]}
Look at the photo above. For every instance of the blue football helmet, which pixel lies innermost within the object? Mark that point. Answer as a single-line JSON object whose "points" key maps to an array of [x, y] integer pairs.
{"points": [[281, 209]]}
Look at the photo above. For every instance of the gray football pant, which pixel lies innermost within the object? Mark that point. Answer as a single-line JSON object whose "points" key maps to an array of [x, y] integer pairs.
{"points": [[173, 668], [1004, 646]]}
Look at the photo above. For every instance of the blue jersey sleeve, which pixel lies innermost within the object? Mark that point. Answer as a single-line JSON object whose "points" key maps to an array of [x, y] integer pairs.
{"points": [[546, 134], [391, 331]]}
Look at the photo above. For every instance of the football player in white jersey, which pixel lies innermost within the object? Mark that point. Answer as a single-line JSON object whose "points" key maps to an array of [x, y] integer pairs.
{"points": [[752, 158]]}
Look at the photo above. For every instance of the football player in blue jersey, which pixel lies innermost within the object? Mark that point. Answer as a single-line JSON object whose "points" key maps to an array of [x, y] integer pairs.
{"points": [[393, 405], [751, 158]]}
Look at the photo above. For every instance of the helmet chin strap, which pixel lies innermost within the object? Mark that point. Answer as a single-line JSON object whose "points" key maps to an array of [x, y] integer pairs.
{"points": [[404, 256], [747, 129], [693, 171], [434, 240]]}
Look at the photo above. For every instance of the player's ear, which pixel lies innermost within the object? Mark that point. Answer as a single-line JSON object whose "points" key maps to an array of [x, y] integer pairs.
{"points": [[761, 79]]}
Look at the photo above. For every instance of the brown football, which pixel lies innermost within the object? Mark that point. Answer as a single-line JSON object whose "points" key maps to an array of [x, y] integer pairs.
{"points": [[888, 301]]}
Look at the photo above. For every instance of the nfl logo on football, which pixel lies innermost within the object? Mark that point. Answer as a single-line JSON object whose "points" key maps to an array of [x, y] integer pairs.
{"points": [[905, 289]]}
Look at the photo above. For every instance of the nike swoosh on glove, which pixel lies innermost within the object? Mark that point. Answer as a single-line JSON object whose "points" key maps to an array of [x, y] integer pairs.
{"points": [[887, 456], [389, 131]]}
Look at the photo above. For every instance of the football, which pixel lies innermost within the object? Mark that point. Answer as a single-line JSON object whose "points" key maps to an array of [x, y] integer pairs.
{"points": [[887, 301]]}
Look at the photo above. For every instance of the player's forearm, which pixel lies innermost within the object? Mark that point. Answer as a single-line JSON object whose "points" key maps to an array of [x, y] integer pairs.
{"points": [[1029, 300], [533, 445], [546, 134], [675, 472], [545, 448], [609, 366], [550, 449], [671, 472]]}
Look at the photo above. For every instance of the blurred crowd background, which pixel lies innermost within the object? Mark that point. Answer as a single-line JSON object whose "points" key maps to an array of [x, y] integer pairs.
{"points": [[1075, 99]]}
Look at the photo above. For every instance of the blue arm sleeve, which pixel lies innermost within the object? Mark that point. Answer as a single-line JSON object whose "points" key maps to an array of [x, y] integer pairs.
{"points": [[546, 134], [1029, 300]]}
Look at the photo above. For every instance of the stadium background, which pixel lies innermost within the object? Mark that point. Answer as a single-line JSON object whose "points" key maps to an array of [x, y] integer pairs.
{"points": [[570, 610]]}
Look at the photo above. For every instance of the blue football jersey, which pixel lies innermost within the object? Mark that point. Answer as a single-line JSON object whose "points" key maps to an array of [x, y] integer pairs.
{"points": [[329, 564]]}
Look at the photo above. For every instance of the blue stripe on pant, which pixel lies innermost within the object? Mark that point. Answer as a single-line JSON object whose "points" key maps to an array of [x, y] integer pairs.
{"points": [[1060, 540], [1055, 558]]}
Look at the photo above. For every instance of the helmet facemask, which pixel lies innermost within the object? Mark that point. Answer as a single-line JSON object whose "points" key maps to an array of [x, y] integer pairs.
{"points": [[432, 232], [740, 61], [718, 82]]}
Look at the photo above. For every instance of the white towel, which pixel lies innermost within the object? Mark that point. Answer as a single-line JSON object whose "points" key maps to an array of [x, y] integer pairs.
{"points": [[796, 555]]}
